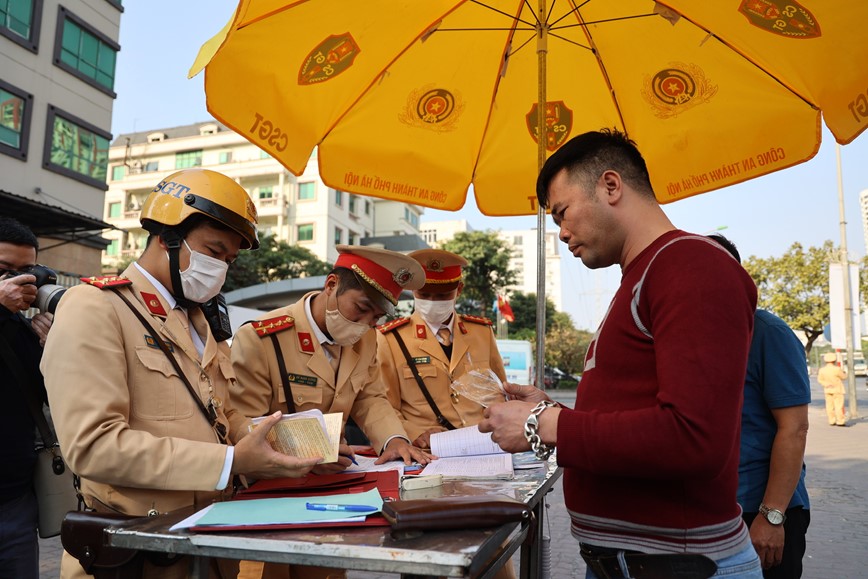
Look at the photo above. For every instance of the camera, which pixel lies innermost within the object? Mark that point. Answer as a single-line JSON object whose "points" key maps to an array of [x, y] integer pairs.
{"points": [[49, 293]]}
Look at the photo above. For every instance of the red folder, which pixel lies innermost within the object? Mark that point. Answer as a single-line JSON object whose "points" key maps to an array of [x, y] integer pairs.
{"points": [[385, 482]]}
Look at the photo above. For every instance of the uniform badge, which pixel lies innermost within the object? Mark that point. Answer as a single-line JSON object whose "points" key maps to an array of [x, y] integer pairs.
{"points": [[272, 325], [421, 332], [153, 304], [306, 343], [301, 379], [152, 343], [105, 281]]}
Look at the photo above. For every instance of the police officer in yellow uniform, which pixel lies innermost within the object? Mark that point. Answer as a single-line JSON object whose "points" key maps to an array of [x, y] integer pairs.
{"points": [[320, 353], [443, 345], [137, 382]]}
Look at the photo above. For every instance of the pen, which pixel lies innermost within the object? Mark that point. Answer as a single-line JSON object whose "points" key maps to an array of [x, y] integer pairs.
{"points": [[328, 507], [352, 458]]}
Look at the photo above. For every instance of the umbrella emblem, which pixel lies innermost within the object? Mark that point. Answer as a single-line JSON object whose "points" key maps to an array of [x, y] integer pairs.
{"points": [[432, 108], [328, 59], [559, 123], [782, 17], [676, 89]]}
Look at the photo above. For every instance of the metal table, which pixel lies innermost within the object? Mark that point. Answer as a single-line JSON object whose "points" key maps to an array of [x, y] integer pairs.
{"points": [[476, 553]]}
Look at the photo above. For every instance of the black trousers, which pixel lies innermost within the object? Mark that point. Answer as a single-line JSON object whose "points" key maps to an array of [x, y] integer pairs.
{"points": [[795, 529]]}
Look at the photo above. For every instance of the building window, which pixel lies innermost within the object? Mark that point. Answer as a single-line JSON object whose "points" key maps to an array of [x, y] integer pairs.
{"points": [[112, 249], [19, 22], [188, 159], [75, 148], [339, 236], [367, 207], [353, 238], [339, 198], [114, 210], [304, 232], [118, 172], [352, 204], [15, 108], [85, 52], [517, 240], [225, 157], [266, 192], [150, 167], [306, 191]]}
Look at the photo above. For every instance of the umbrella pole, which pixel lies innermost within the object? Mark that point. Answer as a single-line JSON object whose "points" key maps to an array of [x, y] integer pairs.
{"points": [[848, 305], [541, 52]]}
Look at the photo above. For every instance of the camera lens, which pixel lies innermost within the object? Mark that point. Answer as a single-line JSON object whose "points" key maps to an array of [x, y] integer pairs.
{"points": [[47, 297]]}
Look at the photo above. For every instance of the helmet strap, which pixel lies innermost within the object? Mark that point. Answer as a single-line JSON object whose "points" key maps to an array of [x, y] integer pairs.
{"points": [[173, 239]]}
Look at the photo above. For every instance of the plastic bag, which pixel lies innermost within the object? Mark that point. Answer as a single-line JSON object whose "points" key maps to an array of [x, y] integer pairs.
{"points": [[480, 385]]}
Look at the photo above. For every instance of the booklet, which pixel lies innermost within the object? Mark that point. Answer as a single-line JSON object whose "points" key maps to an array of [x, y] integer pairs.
{"points": [[306, 434], [468, 453]]}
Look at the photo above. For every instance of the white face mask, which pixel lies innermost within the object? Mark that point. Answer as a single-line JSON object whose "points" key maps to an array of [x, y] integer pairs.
{"points": [[344, 332], [435, 312], [203, 279]]}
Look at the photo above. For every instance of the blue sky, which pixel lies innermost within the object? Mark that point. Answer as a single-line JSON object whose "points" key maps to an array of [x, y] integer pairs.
{"points": [[159, 40]]}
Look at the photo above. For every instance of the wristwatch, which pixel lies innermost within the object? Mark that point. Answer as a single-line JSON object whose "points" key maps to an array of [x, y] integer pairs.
{"points": [[531, 431], [773, 516]]}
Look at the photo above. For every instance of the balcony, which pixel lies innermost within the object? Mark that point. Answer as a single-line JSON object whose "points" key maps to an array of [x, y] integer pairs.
{"points": [[271, 205]]}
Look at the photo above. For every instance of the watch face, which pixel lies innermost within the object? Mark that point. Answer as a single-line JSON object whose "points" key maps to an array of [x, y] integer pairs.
{"points": [[775, 517]]}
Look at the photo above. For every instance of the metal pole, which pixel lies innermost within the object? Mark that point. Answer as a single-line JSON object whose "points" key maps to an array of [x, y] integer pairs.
{"points": [[541, 52], [848, 305]]}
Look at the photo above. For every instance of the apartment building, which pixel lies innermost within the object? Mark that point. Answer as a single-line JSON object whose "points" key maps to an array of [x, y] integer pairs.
{"points": [[299, 210], [524, 255], [57, 72]]}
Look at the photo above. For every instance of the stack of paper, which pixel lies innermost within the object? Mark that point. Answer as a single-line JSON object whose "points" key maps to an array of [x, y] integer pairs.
{"points": [[468, 453], [307, 434]]}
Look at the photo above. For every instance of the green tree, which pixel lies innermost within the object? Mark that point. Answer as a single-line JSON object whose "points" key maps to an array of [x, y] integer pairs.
{"points": [[795, 287], [273, 261], [566, 346], [524, 307], [487, 273]]}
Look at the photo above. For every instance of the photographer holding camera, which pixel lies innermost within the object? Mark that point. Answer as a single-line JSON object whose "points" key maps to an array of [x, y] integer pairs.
{"points": [[21, 340]]}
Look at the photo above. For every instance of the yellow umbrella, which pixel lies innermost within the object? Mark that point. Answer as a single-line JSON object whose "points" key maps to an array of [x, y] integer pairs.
{"points": [[416, 101]]}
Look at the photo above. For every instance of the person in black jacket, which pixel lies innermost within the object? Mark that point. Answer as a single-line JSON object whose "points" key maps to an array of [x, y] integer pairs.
{"points": [[19, 546]]}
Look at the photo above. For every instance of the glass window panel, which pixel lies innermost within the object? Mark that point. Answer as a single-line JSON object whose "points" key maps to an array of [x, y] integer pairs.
{"points": [[305, 232], [12, 110], [114, 209], [87, 54], [118, 172], [77, 149], [306, 191], [188, 159], [17, 15]]}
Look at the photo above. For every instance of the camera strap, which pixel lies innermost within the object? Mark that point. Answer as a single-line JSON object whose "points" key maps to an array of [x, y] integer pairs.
{"points": [[210, 416], [439, 415]]}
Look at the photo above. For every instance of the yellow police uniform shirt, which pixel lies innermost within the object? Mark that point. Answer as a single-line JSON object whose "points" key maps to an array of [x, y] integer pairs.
{"points": [[355, 390], [472, 342], [125, 421]]}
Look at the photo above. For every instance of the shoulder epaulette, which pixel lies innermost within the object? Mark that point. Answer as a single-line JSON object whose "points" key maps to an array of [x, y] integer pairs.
{"points": [[389, 326], [477, 320], [105, 281], [272, 325]]}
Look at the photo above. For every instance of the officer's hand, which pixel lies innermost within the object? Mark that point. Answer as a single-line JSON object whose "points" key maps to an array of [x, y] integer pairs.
{"points": [[17, 293], [768, 541], [424, 440], [400, 449], [345, 459], [255, 458], [524, 393], [41, 323]]}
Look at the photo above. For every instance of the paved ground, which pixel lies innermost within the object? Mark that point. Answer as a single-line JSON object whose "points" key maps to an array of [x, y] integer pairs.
{"points": [[837, 460]]}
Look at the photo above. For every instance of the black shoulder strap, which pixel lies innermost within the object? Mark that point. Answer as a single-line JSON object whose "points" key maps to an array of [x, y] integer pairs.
{"points": [[284, 377], [210, 415], [440, 418]]}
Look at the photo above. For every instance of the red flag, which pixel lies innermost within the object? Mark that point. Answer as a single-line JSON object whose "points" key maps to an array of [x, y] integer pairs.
{"points": [[505, 309]]}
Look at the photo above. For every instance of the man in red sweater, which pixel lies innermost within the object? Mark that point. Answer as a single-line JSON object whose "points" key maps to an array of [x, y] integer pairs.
{"points": [[650, 452]]}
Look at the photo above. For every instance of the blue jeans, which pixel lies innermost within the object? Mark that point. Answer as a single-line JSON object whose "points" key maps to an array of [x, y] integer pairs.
{"points": [[742, 565], [19, 545]]}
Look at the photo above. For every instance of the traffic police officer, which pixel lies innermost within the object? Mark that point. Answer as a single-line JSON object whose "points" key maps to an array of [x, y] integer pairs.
{"points": [[137, 382], [320, 353], [443, 345]]}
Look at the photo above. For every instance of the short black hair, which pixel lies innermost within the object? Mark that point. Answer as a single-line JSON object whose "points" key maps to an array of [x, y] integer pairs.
{"points": [[726, 244], [14, 232], [587, 156], [347, 280]]}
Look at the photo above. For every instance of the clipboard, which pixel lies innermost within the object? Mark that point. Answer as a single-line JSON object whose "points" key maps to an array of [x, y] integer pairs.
{"points": [[386, 482]]}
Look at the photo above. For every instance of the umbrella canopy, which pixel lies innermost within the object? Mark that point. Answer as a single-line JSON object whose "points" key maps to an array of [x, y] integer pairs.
{"points": [[417, 101]]}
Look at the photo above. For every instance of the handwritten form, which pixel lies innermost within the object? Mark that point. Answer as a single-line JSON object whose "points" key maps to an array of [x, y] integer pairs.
{"points": [[463, 442]]}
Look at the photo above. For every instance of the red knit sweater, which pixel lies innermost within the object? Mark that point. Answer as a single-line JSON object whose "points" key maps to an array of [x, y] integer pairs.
{"points": [[651, 450]]}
